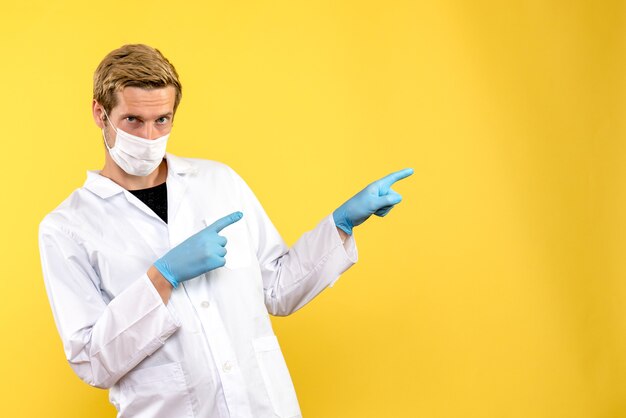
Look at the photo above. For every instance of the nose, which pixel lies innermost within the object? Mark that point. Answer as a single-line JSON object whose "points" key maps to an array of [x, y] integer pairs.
{"points": [[150, 132]]}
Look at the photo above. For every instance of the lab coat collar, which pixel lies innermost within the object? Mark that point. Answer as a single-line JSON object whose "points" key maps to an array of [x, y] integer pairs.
{"points": [[179, 165], [104, 187]]}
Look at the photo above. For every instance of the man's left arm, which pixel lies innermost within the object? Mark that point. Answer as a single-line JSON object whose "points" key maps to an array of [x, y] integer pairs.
{"points": [[293, 276], [342, 235]]}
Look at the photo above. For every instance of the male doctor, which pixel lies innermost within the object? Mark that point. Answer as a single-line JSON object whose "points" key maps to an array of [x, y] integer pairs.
{"points": [[161, 270]]}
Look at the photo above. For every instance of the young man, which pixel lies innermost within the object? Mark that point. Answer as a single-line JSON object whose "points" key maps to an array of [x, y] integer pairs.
{"points": [[161, 270]]}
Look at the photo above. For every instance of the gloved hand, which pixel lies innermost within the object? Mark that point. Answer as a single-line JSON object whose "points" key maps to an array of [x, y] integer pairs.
{"points": [[198, 254], [376, 199]]}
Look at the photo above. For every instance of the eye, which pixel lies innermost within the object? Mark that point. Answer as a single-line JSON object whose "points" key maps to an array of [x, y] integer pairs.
{"points": [[131, 119], [162, 120]]}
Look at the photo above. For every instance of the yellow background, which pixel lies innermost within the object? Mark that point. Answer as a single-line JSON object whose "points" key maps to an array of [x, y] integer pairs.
{"points": [[497, 288]]}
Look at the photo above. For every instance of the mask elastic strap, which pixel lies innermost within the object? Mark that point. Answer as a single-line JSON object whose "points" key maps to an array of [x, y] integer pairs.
{"points": [[107, 116], [113, 126]]}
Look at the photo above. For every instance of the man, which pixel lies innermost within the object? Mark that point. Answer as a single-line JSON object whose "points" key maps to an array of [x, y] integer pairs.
{"points": [[161, 270]]}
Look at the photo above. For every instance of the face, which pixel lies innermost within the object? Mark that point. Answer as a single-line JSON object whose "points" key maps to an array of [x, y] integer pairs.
{"points": [[147, 113]]}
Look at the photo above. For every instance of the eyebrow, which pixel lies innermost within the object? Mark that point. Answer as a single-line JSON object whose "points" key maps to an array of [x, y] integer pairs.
{"points": [[129, 115]]}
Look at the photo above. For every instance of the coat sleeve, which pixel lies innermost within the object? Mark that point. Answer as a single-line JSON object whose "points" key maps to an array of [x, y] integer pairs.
{"points": [[294, 276], [102, 341]]}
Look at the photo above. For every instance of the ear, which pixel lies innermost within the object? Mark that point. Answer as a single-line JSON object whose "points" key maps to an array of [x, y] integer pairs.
{"points": [[98, 114]]}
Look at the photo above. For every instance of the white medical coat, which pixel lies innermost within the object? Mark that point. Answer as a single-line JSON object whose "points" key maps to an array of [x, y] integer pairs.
{"points": [[211, 351]]}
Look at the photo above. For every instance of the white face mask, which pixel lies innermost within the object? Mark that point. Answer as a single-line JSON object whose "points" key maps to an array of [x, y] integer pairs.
{"points": [[135, 155]]}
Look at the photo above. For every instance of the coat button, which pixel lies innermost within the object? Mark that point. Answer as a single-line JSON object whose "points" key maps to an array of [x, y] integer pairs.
{"points": [[227, 366], [205, 304]]}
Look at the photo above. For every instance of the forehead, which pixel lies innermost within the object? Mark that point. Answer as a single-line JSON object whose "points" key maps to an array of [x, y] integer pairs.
{"points": [[145, 102]]}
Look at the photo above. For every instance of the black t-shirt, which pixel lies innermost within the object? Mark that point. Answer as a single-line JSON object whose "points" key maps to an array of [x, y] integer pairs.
{"points": [[155, 198]]}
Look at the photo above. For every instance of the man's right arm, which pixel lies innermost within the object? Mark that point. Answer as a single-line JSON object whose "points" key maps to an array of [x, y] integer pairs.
{"points": [[160, 284], [102, 341]]}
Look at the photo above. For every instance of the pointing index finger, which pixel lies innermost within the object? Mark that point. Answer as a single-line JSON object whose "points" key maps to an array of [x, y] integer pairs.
{"points": [[394, 177], [227, 220]]}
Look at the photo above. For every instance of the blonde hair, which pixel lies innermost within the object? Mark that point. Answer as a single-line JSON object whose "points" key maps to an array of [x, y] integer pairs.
{"points": [[133, 65]]}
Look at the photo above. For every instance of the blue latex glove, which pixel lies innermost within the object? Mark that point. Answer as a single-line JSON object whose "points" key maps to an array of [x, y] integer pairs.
{"points": [[376, 199], [198, 254]]}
